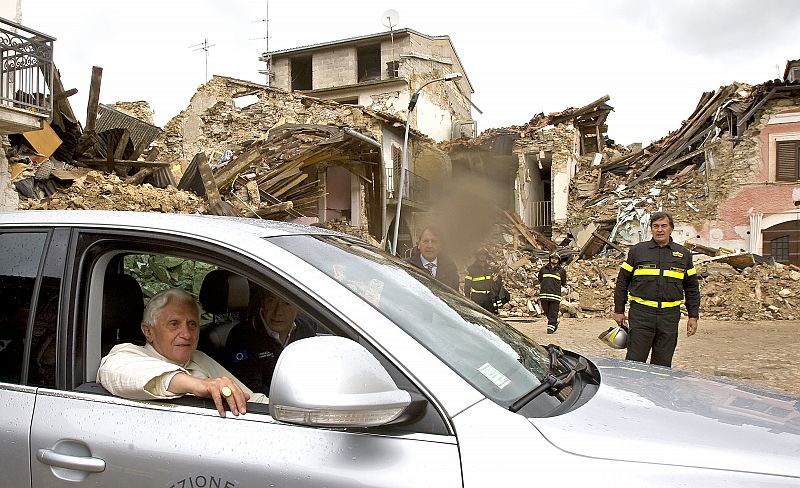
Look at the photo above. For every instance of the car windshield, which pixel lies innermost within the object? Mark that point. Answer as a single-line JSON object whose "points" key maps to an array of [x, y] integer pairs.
{"points": [[491, 355]]}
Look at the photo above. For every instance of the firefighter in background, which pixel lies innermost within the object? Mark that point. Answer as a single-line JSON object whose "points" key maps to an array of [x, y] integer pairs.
{"points": [[480, 280], [552, 277]]}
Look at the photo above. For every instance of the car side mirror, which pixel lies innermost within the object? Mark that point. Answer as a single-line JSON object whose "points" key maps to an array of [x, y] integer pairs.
{"points": [[330, 381]]}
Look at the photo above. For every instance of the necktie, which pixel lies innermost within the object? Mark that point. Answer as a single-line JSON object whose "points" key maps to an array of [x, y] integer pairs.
{"points": [[431, 268]]}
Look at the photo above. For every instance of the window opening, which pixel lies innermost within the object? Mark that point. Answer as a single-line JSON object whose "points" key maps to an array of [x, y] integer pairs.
{"points": [[369, 62], [302, 73]]}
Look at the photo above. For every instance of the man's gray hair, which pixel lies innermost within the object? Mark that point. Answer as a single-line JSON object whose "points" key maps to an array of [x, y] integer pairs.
{"points": [[661, 215], [162, 299]]}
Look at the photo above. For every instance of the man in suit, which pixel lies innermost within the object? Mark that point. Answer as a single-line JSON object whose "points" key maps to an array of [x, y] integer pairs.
{"points": [[427, 255]]}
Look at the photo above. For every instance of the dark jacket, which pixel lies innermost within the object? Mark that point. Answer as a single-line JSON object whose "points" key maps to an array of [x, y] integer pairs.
{"points": [[551, 279], [251, 353], [658, 277], [446, 270], [478, 279]]}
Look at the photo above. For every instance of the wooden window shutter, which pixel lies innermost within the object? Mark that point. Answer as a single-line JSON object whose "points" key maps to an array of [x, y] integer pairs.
{"points": [[397, 162], [787, 161]]}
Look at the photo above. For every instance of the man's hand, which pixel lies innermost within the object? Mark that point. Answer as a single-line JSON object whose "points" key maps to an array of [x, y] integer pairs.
{"points": [[691, 326], [212, 388], [619, 318]]}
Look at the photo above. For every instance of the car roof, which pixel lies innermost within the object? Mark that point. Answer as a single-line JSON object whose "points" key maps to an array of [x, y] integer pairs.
{"points": [[206, 225]]}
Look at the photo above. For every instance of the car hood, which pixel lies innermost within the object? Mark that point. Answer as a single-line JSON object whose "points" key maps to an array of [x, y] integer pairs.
{"points": [[652, 414]]}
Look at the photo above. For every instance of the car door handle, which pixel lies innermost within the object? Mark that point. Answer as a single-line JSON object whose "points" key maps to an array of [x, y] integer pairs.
{"points": [[78, 463]]}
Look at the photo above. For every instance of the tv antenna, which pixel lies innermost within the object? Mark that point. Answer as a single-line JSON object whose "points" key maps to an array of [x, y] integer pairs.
{"points": [[266, 59], [205, 46], [389, 19]]}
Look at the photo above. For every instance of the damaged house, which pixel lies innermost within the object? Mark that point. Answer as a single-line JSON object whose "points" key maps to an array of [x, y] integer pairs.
{"points": [[528, 169], [730, 175], [288, 156], [381, 72]]}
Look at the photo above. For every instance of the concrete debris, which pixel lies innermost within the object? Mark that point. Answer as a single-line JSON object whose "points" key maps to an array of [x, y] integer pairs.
{"points": [[95, 190], [761, 291]]}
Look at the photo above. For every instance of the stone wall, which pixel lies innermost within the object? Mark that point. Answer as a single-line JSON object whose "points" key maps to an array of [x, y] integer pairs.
{"points": [[212, 122], [140, 110], [9, 199]]}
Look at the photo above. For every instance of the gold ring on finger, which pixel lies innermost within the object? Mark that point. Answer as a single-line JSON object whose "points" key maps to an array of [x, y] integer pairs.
{"points": [[226, 391]]}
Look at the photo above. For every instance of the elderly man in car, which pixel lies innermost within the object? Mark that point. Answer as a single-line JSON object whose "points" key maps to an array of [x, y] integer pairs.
{"points": [[169, 365]]}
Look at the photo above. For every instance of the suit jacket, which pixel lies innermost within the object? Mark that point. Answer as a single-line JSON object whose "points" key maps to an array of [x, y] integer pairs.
{"points": [[446, 270], [136, 373]]}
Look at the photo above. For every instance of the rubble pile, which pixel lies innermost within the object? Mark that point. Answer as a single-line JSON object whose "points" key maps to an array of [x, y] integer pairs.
{"points": [[683, 195], [94, 190], [344, 227], [760, 292]]}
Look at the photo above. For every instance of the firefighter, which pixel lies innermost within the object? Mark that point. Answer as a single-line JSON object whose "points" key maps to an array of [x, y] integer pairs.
{"points": [[552, 277], [480, 282], [654, 278]]}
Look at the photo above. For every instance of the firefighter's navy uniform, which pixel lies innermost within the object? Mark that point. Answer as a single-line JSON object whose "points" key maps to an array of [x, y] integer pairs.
{"points": [[551, 278], [655, 279], [478, 285]]}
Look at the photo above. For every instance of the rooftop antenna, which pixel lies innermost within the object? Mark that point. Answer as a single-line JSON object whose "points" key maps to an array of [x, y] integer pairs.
{"points": [[205, 46], [389, 19], [267, 59]]}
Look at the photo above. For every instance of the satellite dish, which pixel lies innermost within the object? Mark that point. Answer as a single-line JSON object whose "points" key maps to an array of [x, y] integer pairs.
{"points": [[390, 18]]}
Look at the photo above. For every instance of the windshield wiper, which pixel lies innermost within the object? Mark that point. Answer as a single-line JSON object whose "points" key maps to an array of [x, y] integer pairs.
{"points": [[553, 383]]}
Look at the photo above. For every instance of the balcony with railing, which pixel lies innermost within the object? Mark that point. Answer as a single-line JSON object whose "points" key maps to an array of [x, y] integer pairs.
{"points": [[540, 216], [417, 189], [26, 78]]}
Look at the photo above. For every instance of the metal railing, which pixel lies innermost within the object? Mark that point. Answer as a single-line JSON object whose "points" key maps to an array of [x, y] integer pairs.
{"points": [[416, 189], [26, 64], [540, 214]]}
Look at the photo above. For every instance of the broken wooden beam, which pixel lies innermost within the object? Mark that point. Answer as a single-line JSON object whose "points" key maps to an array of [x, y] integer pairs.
{"points": [[123, 162], [535, 238], [230, 171], [141, 175], [64, 94], [94, 98]]}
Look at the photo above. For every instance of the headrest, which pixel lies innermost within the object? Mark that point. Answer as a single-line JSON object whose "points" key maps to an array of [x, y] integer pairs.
{"points": [[224, 292], [123, 306]]}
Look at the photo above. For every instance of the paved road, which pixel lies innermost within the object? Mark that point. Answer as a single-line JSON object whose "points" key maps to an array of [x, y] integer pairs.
{"points": [[764, 353]]}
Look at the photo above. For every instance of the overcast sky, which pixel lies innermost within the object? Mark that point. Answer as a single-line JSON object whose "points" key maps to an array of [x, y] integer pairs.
{"points": [[653, 57]]}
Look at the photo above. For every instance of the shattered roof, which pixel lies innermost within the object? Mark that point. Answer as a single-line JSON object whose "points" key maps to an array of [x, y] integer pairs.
{"points": [[489, 138]]}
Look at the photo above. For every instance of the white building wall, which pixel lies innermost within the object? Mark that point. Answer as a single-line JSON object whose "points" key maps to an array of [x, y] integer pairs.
{"points": [[12, 10], [433, 120]]}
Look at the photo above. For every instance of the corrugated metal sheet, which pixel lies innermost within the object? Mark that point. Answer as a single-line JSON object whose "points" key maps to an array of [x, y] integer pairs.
{"points": [[140, 131]]}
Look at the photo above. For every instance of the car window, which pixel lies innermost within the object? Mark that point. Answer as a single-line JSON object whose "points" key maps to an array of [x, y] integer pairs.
{"points": [[492, 356], [43, 350], [122, 282], [20, 258]]}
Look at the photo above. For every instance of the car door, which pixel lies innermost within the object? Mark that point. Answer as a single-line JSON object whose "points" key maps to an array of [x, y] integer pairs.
{"points": [[87, 436], [29, 287]]}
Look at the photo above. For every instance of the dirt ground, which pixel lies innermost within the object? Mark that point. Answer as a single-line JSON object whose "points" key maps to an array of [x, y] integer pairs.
{"points": [[762, 353]]}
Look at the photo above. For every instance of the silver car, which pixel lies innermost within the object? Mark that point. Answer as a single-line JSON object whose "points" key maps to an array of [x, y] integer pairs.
{"points": [[406, 384]]}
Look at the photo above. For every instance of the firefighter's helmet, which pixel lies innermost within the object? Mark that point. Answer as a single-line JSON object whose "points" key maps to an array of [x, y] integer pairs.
{"points": [[615, 337]]}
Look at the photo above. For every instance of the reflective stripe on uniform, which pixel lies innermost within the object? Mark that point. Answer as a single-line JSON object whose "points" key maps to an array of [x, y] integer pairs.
{"points": [[549, 296], [654, 304], [481, 291], [627, 267], [658, 272], [678, 275], [691, 271], [478, 278], [558, 277]]}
